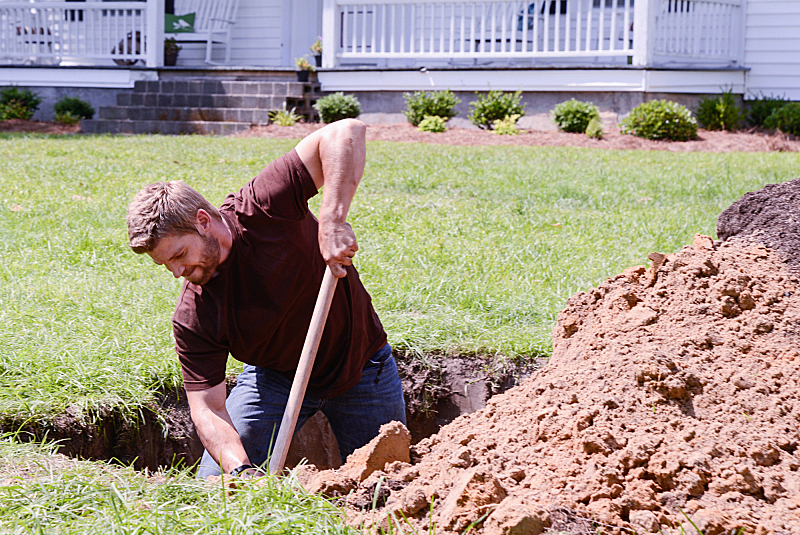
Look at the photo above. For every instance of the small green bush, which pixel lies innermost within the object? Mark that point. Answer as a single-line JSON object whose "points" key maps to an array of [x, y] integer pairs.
{"points": [[432, 123], [435, 103], [66, 117], [786, 119], [493, 106], [762, 107], [661, 119], [720, 112], [574, 116], [75, 107], [506, 126], [14, 109], [16, 104], [284, 117], [595, 128], [338, 106]]}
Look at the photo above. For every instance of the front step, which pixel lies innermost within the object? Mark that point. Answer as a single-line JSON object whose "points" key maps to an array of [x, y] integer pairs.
{"points": [[135, 113], [127, 126], [201, 106]]}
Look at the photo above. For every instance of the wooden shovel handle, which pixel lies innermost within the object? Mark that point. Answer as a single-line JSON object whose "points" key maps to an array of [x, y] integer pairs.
{"points": [[303, 372]]}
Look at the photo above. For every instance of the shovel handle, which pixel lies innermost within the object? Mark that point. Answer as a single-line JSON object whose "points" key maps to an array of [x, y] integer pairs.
{"points": [[301, 376]]}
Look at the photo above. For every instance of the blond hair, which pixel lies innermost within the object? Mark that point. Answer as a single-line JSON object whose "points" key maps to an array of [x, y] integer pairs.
{"points": [[164, 209]]}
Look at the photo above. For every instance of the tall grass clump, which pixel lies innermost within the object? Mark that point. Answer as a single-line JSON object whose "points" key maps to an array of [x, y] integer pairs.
{"points": [[284, 117]]}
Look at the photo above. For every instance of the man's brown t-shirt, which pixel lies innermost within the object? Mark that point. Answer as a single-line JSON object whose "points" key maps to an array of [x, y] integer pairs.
{"points": [[259, 305]]}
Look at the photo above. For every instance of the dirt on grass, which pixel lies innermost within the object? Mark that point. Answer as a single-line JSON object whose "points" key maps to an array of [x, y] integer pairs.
{"points": [[673, 393]]}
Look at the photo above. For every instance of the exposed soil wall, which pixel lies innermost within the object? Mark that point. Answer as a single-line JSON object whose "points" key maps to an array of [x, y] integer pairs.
{"points": [[164, 435]]}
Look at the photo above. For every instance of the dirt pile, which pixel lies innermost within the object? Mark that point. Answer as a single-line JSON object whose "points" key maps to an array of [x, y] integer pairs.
{"points": [[769, 216], [671, 388]]}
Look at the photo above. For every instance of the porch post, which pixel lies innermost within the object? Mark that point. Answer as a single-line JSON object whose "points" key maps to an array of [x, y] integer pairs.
{"points": [[154, 32], [329, 31], [644, 32]]}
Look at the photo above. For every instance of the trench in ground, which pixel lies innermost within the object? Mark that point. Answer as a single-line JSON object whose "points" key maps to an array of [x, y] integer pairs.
{"points": [[437, 390]]}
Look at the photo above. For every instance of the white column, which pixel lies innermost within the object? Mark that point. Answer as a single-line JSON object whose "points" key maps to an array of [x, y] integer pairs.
{"points": [[330, 35], [644, 31], [154, 32]]}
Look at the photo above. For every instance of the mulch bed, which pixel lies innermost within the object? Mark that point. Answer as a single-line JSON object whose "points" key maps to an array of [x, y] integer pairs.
{"points": [[753, 140]]}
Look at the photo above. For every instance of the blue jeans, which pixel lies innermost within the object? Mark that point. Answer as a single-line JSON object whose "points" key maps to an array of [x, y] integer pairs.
{"points": [[257, 403]]}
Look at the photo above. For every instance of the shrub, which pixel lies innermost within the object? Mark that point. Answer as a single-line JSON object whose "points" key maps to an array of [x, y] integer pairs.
{"points": [[661, 119], [16, 104], [14, 109], [284, 117], [595, 128], [66, 117], [493, 106], [506, 126], [432, 123], [337, 106], [574, 116], [786, 119], [75, 107], [436, 104], [720, 113], [762, 107]]}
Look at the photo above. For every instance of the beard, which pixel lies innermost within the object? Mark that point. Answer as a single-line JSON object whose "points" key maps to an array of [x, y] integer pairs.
{"points": [[208, 264]]}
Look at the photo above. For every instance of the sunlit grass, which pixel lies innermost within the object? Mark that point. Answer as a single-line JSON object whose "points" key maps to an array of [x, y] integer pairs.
{"points": [[42, 493], [464, 249]]}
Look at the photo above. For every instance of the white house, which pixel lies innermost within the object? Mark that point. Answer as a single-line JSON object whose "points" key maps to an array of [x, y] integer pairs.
{"points": [[630, 49]]}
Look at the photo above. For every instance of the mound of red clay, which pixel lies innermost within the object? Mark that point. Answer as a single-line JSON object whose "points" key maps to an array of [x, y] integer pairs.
{"points": [[670, 388]]}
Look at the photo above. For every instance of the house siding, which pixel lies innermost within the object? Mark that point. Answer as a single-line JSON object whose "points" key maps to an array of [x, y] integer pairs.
{"points": [[772, 39]]}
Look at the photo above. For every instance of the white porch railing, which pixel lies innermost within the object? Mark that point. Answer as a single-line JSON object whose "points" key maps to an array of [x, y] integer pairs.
{"points": [[370, 30], [87, 32], [710, 29]]}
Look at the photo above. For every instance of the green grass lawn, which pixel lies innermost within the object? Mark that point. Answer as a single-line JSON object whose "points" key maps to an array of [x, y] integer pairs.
{"points": [[45, 494], [465, 249]]}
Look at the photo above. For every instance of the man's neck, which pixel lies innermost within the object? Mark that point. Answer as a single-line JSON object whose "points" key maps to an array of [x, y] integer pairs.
{"points": [[224, 234]]}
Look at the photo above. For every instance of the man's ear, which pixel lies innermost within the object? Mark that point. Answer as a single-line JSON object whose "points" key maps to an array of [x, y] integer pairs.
{"points": [[202, 222]]}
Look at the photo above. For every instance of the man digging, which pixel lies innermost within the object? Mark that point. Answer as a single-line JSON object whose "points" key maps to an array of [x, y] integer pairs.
{"points": [[252, 270]]}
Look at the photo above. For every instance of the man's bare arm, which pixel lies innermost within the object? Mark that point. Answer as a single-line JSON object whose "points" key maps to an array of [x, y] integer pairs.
{"points": [[215, 428], [335, 157]]}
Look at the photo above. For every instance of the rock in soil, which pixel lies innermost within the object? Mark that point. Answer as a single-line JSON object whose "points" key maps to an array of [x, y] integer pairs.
{"points": [[669, 389]]}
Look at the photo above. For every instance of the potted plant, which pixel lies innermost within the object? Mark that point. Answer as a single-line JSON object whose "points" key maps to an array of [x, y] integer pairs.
{"points": [[171, 49], [303, 68], [316, 48]]}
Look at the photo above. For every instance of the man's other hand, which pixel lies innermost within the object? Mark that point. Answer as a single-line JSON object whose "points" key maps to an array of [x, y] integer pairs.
{"points": [[337, 243]]}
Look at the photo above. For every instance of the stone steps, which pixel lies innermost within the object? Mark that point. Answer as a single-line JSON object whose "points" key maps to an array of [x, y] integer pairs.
{"points": [[201, 106], [255, 116], [128, 126]]}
